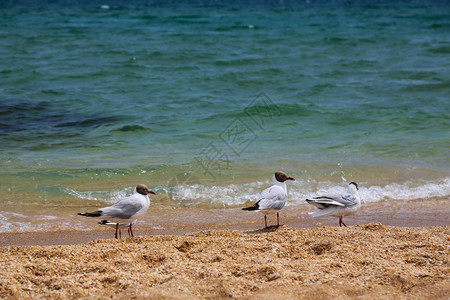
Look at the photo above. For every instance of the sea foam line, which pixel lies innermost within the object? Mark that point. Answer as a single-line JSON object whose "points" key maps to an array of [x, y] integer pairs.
{"points": [[298, 191]]}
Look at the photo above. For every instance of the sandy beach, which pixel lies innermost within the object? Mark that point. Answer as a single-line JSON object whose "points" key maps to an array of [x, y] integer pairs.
{"points": [[324, 261], [368, 261]]}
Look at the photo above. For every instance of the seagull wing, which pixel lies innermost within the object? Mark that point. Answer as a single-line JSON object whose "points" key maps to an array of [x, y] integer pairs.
{"points": [[125, 208], [322, 202], [272, 198]]}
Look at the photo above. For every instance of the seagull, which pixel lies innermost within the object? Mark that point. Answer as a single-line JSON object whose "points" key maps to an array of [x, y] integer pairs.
{"points": [[121, 226], [337, 205], [125, 210], [272, 199]]}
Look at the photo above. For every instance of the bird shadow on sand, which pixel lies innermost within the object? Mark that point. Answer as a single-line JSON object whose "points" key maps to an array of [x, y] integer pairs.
{"points": [[264, 230]]}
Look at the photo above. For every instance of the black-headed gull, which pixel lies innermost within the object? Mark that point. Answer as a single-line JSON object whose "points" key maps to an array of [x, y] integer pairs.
{"points": [[272, 199], [337, 205], [125, 210], [119, 226]]}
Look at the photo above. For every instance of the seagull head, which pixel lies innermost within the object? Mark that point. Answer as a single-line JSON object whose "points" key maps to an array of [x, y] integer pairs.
{"points": [[353, 186], [282, 177], [143, 190]]}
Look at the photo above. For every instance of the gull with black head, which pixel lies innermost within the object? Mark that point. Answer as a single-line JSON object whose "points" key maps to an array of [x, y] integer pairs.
{"points": [[125, 210], [272, 199]]}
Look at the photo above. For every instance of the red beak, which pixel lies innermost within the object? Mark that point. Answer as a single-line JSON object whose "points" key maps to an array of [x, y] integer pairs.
{"points": [[151, 192], [290, 178]]}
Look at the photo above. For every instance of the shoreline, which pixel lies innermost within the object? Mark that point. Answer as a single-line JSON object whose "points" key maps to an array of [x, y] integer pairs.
{"points": [[179, 221]]}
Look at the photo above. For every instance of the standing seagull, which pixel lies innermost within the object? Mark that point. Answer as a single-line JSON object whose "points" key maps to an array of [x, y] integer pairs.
{"points": [[337, 205], [125, 210], [272, 199]]}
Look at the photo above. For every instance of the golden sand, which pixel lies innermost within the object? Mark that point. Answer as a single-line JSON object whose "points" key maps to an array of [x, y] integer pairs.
{"points": [[368, 261]]}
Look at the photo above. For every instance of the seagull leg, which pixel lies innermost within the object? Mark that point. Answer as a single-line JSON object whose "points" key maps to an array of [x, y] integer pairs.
{"points": [[341, 222], [278, 219], [265, 220], [131, 230], [117, 229], [120, 234]]}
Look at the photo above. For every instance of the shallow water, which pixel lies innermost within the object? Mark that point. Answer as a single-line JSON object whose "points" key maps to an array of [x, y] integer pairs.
{"points": [[203, 102]]}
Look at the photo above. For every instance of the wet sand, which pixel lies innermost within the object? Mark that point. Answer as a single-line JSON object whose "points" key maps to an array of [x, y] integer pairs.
{"points": [[177, 221]]}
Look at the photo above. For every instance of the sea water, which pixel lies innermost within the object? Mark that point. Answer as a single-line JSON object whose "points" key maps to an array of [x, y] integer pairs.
{"points": [[203, 101]]}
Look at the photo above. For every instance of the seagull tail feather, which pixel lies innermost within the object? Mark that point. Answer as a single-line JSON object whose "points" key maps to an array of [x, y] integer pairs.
{"points": [[319, 213], [254, 207], [97, 213]]}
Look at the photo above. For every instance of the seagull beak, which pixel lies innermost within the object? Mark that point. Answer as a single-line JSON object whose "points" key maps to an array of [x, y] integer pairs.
{"points": [[290, 178], [151, 192]]}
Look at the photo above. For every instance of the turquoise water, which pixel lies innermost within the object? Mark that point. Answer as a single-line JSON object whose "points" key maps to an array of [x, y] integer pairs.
{"points": [[99, 94]]}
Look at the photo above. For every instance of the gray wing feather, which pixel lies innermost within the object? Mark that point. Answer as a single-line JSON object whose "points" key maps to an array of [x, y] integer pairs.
{"points": [[336, 200], [123, 209], [272, 198]]}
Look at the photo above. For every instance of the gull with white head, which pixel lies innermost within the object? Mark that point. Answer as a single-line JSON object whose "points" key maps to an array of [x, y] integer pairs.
{"points": [[337, 205], [125, 210], [273, 198]]}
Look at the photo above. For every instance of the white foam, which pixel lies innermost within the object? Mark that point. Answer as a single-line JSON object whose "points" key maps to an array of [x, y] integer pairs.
{"points": [[233, 194], [47, 218], [106, 196], [298, 191], [13, 214], [15, 222], [407, 191]]}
